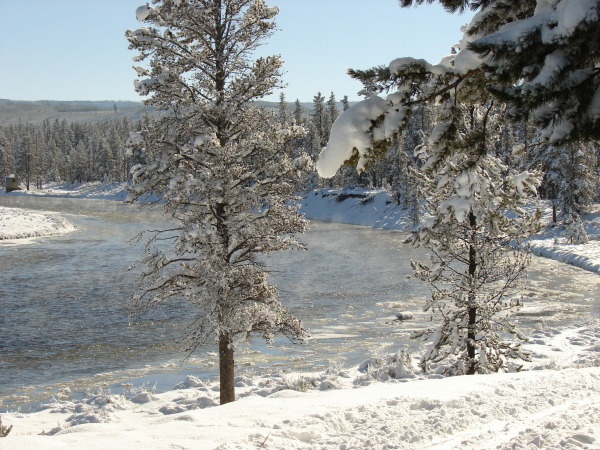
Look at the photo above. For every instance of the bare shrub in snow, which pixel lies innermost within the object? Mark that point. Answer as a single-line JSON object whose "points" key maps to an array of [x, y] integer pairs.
{"points": [[574, 230], [4, 430]]}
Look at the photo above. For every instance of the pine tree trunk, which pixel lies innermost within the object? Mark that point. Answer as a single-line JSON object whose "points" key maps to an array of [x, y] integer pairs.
{"points": [[226, 369], [471, 341], [472, 309]]}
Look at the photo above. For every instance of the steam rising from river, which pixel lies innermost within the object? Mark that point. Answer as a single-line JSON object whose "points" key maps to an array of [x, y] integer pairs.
{"points": [[65, 304]]}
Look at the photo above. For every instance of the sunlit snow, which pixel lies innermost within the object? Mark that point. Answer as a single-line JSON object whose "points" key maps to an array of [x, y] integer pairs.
{"points": [[386, 402], [143, 12], [18, 223], [349, 133]]}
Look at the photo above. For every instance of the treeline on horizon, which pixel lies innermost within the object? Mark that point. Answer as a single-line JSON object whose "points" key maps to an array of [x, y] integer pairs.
{"points": [[14, 111], [56, 150]]}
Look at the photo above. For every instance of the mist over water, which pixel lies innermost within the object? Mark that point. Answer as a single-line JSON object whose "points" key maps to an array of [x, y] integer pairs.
{"points": [[64, 303]]}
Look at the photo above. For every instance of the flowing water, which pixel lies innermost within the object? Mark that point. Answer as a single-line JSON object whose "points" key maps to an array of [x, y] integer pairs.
{"points": [[64, 303]]}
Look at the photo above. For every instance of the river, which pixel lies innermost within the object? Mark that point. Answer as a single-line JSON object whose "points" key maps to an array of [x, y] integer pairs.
{"points": [[64, 303]]}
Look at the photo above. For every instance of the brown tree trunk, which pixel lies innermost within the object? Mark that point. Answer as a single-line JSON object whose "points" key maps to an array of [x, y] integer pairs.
{"points": [[226, 369], [471, 341], [472, 309]]}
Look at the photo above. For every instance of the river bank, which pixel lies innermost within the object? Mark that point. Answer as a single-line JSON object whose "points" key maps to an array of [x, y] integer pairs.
{"points": [[16, 223], [383, 402], [371, 208]]}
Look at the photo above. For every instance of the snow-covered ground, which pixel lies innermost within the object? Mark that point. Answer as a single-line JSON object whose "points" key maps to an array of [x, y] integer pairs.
{"points": [[385, 402], [96, 190], [16, 223], [556, 404]]}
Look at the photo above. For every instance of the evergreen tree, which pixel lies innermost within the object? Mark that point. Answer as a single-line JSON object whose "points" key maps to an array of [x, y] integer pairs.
{"points": [[284, 114], [37, 158], [574, 230], [6, 152], [404, 179], [55, 161], [569, 178], [474, 271], [25, 148], [474, 200], [320, 125], [299, 116], [542, 59], [345, 103], [78, 163], [578, 180], [115, 163], [216, 162], [332, 111]]}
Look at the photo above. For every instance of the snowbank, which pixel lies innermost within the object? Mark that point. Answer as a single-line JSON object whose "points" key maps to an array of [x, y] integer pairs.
{"points": [[552, 243], [95, 190], [363, 407], [372, 208], [19, 223]]}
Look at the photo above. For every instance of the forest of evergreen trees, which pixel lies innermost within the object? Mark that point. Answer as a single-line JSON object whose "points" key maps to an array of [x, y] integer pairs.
{"points": [[75, 152], [84, 151]]}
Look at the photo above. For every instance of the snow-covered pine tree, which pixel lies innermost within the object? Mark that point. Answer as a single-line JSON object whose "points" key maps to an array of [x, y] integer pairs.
{"points": [[476, 222], [216, 163], [78, 163], [541, 57], [578, 180], [345, 103], [53, 173], [404, 182], [574, 230], [576, 184], [284, 116], [569, 178], [476, 206], [332, 111], [320, 124], [299, 116], [547, 158], [7, 161]]}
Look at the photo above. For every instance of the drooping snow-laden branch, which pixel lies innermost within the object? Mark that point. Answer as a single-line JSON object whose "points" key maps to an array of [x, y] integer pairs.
{"points": [[412, 82]]}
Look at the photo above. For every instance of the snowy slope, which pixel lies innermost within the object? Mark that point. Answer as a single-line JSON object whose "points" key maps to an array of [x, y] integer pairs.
{"points": [[18, 223], [341, 409], [370, 208], [551, 243]]}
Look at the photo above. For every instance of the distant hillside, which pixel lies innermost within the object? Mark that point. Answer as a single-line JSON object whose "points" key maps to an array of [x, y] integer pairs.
{"points": [[13, 111]]}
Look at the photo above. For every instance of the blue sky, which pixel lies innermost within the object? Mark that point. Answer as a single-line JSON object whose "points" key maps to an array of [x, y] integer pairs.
{"points": [[76, 49]]}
